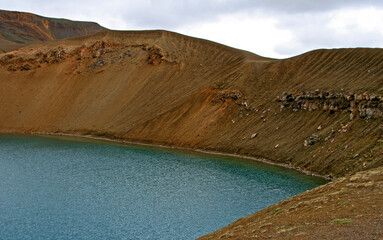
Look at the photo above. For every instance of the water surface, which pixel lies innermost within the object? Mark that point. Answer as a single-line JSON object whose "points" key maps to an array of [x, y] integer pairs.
{"points": [[65, 189]]}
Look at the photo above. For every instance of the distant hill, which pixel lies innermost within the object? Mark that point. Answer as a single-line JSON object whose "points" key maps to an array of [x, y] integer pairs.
{"points": [[18, 28]]}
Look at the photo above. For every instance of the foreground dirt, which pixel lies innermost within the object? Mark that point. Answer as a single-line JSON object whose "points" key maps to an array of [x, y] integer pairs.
{"points": [[319, 112], [350, 208]]}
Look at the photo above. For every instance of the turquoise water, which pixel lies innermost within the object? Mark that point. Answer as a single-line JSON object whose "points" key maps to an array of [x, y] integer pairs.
{"points": [[54, 188]]}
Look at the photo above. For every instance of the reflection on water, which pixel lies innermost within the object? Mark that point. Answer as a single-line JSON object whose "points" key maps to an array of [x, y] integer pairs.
{"points": [[59, 189]]}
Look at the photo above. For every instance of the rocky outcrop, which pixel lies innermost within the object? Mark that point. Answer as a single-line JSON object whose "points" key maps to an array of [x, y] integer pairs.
{"points": [[32, 60], [99, 54], [229, 94], [365, 105]]}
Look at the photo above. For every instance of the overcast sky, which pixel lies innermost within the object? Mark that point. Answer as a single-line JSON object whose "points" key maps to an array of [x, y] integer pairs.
{"points": [[272, 28]]}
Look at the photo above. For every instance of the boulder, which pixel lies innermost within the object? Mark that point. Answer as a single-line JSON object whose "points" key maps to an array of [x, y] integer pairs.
{"points": [[290, 98], [254, 135], [25, 67]]}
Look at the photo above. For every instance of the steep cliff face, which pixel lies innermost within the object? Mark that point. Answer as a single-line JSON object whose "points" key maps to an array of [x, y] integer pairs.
{"points": [[18, 27], [165, 88]]}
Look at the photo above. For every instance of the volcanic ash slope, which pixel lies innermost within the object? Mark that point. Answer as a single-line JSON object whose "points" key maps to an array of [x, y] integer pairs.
{"points": [[320, 111]]}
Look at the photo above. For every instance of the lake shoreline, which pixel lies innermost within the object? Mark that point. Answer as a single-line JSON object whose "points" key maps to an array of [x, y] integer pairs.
{"points": [[216, 153]]}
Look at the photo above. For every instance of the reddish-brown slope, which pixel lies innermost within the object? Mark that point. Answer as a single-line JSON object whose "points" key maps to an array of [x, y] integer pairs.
{"points": [[162, 87], [321, 111]]}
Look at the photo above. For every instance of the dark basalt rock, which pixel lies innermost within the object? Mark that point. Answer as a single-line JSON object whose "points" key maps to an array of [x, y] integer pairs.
{"points": [[363, 104]]}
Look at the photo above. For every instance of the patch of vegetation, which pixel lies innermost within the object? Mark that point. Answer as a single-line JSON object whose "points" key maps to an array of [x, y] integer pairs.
{"points": [[343, 202], [275, 211], [290, 229], [342, 220], [379, 144]]}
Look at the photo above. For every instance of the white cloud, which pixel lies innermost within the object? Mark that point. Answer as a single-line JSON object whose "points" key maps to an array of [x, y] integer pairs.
{"points": [[352, 20], [343, 28], [256, 33]]}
